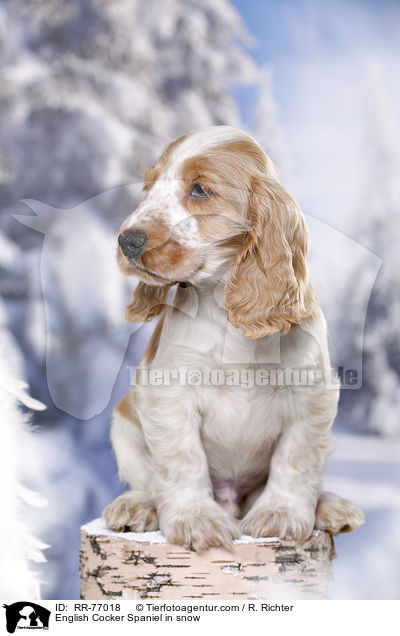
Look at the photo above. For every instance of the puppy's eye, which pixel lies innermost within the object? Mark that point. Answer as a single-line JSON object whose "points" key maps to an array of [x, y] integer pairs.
{"points": [[199, 192]]}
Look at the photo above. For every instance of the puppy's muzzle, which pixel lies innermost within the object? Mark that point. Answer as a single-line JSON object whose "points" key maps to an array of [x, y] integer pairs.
{"points": [[132, 243]]}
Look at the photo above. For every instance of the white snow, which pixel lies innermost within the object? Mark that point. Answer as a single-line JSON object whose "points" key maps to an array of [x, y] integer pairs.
{"points": [[98, 527], [19, 546]]}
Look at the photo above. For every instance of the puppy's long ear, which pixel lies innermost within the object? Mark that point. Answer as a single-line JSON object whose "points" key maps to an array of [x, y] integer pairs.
{"points": [[267, 289], [148, 301]]}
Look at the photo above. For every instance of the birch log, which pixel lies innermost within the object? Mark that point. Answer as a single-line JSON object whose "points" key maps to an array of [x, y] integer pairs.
{"points": [[143, 565]]}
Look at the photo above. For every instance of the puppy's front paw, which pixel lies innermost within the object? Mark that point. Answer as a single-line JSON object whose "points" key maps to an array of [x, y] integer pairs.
{"points": [[335, 514], [130, 511], [200, 526], [280, 521]]}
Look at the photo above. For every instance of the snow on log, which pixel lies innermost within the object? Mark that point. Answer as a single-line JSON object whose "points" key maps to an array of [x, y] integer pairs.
{"points": [[134, 565]]}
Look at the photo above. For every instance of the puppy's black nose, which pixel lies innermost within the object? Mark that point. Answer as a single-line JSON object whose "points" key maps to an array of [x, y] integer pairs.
{"points": [[131, 243]]}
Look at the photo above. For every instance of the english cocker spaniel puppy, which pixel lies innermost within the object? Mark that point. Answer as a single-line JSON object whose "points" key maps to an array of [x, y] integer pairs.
{"points": [[226, 428]]}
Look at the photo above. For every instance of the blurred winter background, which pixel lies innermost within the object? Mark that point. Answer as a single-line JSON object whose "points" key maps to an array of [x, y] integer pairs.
{"points": [[90, 93]]}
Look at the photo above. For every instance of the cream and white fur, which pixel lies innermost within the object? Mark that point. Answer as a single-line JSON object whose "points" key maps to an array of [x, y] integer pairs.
{"points": [[207, 463]]}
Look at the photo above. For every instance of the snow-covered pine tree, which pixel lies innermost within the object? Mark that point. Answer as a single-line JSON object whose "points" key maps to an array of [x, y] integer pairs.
{"points": [[375, 407], [94, 90], [264, 119], [19, 546]]}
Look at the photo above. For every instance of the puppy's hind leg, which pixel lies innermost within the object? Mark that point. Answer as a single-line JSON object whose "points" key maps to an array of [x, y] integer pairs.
{"points": [[134, 510], [335, 514]]}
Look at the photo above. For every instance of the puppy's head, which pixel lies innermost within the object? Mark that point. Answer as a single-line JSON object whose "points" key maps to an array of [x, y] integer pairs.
{"points": [[213, 202]]}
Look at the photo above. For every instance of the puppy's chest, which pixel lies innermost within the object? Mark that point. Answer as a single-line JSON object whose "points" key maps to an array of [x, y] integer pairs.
{"points": [[241, 421], [240, 428]]}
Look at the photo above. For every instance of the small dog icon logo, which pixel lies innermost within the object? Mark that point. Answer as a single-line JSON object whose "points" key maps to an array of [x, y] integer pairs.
{"points": [[26, 615]]}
